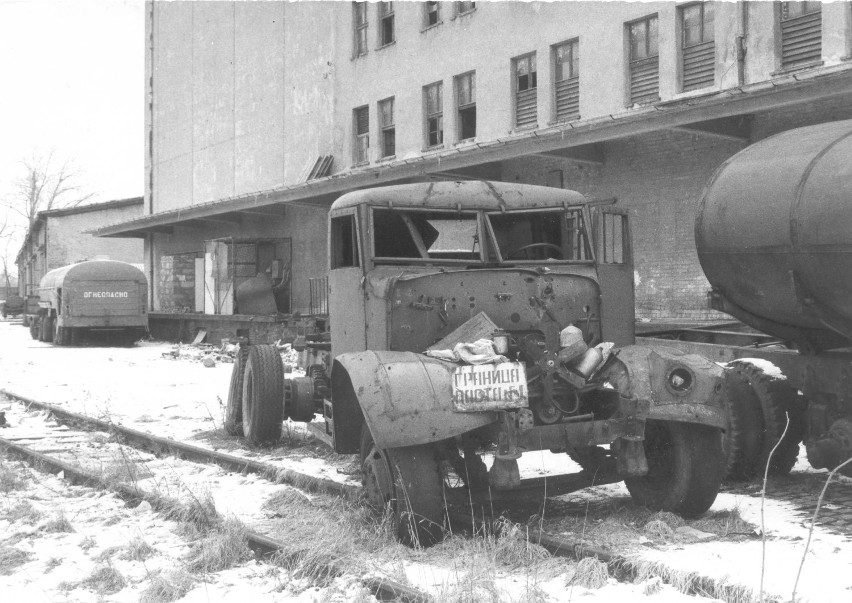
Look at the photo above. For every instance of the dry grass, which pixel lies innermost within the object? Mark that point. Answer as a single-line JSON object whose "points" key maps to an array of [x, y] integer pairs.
{"points": [[11, 558], [104, 580], [59, 523], [589, 572], [220, 549], [324, 534], [692, 583], [138, 550], [22, 512], [199, 511], [124, 469], [10, 478], [165, 588]]}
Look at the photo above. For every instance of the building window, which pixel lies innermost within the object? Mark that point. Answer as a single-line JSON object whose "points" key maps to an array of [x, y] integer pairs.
{"points": [[801, 33], [526, 83], [361, 117], [566, 61], [359, 12], [434, 101], [431, 14], [386, 23], [644, 61], [698, 51], [465, 7], [466, 99], [386, 125]]}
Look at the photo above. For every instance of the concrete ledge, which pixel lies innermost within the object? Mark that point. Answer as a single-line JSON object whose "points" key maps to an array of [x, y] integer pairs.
{"points": [[259, 329]]}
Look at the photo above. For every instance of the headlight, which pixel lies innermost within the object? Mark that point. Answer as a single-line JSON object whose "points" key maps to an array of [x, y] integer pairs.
{"points": [[680, 380]]}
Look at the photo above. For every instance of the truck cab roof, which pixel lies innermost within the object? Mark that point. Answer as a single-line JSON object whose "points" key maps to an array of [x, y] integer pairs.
{"points": [[473, 194]]}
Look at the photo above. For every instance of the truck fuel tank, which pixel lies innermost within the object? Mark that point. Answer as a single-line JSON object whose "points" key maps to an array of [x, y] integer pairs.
{"points": [[774, 234]]}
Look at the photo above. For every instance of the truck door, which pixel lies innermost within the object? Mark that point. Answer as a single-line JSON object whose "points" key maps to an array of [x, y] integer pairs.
{"points": [[346, 286], [615, 272]]}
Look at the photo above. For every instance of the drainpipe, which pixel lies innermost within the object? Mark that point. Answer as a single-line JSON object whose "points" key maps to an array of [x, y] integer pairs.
{"points": [[742, 31]]}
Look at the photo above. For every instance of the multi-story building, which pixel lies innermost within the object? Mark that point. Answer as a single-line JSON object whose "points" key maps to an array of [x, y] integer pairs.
{"points": [[259, 115], [58, 237]]}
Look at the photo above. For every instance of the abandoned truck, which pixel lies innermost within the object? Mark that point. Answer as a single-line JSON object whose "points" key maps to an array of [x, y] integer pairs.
{"points": [[543, 277], [774, 237], [97, 295]]}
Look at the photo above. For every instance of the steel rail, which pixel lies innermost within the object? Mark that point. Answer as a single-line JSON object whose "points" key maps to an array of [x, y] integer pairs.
{"points": [[159, 445], [619, 566], [262, 546]]}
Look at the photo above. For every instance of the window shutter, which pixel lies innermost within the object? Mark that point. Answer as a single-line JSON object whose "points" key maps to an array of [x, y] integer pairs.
{"points": [[526, 110], [362, 125], [645, 80], [699, 63], [801, 39], [568, 98]]}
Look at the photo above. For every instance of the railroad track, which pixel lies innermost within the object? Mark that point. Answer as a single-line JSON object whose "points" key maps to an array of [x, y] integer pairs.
{"points": [[57, 449]]}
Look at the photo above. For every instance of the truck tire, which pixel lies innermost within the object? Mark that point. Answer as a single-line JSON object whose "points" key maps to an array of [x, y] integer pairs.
{"points": [[34, 328], [59, 333], [48, 322], [234, 409], [685, 468], [742, 440], [407, 481], [263, 396], [777, 398]]}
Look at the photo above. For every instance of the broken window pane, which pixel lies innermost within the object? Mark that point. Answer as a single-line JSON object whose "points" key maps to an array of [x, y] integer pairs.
{"points": [[541, 235], [425, 235]]}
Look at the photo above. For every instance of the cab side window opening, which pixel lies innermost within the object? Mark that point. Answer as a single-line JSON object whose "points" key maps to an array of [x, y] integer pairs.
{"points": [[344, 244]]}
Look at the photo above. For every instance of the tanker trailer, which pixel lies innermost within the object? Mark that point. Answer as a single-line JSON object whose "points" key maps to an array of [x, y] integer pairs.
{"points": [[92, 296], [774, 237]]}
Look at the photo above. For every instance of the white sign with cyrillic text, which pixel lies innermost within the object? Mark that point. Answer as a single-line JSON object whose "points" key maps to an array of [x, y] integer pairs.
{"points": [[482, 387]]}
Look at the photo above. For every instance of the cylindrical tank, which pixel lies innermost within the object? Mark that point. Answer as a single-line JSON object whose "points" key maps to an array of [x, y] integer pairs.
{"points": [[774, 229]]}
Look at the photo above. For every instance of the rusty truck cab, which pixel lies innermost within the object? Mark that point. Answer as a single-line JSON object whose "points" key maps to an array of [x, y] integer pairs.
{"points": [[477, 244]]}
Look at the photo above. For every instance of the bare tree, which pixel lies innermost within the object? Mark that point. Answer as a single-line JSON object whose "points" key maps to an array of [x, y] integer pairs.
{"points": [[44, 187]]}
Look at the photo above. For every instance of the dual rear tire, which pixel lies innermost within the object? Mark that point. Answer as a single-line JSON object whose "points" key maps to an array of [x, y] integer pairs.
{"points": [[255, 406]]}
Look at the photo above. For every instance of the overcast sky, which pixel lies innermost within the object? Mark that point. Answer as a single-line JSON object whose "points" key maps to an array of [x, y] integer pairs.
{"points": [[72, 83]]}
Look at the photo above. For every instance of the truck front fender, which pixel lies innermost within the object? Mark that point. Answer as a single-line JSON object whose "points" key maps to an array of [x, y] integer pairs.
{"points": [[405, 399], [681, 387]]}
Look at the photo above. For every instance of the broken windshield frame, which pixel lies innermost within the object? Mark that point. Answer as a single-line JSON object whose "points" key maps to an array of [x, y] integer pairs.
{"points": [[419, 235]]}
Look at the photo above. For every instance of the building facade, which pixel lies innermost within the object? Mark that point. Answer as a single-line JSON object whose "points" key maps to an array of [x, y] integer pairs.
{"points": [[259, 115], [59, 237]]}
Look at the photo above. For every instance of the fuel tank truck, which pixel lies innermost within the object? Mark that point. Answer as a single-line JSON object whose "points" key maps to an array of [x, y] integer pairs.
{"points": [[93, 296], [774, 237], [470, 323]]}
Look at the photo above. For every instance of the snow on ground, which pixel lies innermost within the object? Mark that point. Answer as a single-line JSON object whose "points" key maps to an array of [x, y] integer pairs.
{"points": [[140, 388]]}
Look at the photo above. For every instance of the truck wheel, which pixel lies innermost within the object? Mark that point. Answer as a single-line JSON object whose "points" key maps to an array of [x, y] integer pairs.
{"points": [[48, 322], [234, 409], [263, 397], [34, 328], [742, 440], [407, 482], [776, 398], [59, 337], [685, 468]]}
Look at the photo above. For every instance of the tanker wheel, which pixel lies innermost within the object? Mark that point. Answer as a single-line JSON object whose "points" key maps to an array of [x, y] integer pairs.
{"points": [[234, 409], [34, 328], [685, 468], [776, 399], [263, 398], [742, 440], [48, 323], [406, 482]]}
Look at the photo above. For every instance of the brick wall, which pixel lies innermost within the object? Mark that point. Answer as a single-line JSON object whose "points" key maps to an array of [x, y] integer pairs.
{"points": [[176, 276], [659, 179]]}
